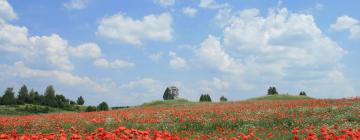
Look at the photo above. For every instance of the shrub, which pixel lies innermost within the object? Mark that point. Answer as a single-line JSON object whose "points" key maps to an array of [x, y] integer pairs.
{"points": [[272, 91], [205, 98], [302, 93], [90, 109], [223, 99], [103, 106]]}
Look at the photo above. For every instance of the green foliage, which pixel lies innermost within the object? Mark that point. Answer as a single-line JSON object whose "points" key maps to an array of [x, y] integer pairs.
{"points": [[302, 93], [282, 97], [168, 103], [103, 106], [50, 99], [272, 91], [167, 95], [205, 98], [80, 101], [223, 99], [9, 97], [23, 96], [90, 109]]}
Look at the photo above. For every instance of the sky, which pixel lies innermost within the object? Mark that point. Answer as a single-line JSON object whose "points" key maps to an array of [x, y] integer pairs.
{"points": [[128, 52]]}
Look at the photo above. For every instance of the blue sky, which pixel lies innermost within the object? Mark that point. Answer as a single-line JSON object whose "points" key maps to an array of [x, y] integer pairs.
{"points": [[128, 52]]}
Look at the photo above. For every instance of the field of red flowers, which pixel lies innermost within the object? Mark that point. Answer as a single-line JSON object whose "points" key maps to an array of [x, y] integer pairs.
{"points": [[326, 119]]}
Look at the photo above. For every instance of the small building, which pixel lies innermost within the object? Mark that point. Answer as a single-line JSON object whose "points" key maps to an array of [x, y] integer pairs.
{"points": [[174, 91]]}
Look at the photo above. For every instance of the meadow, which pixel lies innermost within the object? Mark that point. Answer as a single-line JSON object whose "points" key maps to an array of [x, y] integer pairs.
{"points": [[310, 119]]}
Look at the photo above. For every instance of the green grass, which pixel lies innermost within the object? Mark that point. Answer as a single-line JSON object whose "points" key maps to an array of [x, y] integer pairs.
{"points": [[168, 103], [11, 110], [282, 97]]}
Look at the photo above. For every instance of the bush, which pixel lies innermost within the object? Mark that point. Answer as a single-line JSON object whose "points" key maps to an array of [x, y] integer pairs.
{"points": [[302, 93], [272, 91], [205, 98], [223, 99], [103, 106], [90, 109]]}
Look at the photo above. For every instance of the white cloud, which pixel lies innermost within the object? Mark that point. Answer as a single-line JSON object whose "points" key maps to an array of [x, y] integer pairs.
{"points": [[211, 54], [53, 48], [116, 64], [19, 70], [76, 4], [86, 50], [121, 28], [347, 23], [177, 62], [13, 38], [156, 56], [189, 11], [212, 4], [6, 11], [261, 51], [165, 2]]}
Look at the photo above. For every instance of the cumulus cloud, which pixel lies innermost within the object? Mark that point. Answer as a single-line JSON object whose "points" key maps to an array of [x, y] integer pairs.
{"points": [[76, 4], [177, 62], [116, 64], [124, 29], [86, 50], [189, 11], [165, 2], [347, 23], [6, 11], [279, 47]]}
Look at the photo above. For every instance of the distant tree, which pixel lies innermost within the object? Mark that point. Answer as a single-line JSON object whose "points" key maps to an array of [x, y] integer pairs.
{"points": [[205, 98], [23, 96], [9, 97], [80, 101], [50, 99], [272, 91], [103, 106], [72, 103], [302, 93], [223, 99], [32, 96], [167, 95], [90, 109]]}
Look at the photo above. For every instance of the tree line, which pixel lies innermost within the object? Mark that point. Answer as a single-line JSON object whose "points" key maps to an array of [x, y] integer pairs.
{"points": [[48, 99]]}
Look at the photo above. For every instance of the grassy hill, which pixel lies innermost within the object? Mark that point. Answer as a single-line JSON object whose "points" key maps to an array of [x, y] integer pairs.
{"points": [[282, 97], [10, 110], [168, 103]]}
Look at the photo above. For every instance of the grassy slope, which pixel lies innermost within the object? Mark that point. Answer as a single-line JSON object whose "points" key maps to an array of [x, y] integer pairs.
{"points": [[168, 103], [10, 110], [282, 97]]}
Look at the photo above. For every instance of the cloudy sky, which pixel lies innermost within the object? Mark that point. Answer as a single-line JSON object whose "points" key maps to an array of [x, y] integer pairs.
{"points": [[128, 52]]}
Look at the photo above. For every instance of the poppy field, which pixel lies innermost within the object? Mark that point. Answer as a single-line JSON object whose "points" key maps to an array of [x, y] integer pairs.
{"points": [[322, 119]]}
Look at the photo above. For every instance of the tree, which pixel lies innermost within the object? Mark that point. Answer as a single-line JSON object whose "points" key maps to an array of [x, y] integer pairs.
{"points": [[103, 106], [80, 101], [272, 91], [23, 96], [72, 103], [90, 109], [223, 99], [302, 93], [205, 98], [50, 99], [9, 97], [167, 95]]}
